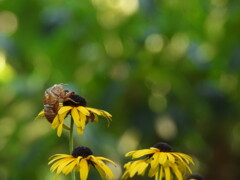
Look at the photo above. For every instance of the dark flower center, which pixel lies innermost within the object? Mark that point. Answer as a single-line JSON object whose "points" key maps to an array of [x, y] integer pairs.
{"points": [[81, 151], [163, 147], [195, 176], [80, 101]]}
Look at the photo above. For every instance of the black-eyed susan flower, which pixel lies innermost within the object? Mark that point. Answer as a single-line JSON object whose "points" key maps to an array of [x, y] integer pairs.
{"points": [[195, 177], [80, 161], [80, 114], [161, 161]]}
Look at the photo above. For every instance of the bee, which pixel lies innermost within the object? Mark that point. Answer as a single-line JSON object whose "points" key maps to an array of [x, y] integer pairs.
{"points": [[53, 97]]}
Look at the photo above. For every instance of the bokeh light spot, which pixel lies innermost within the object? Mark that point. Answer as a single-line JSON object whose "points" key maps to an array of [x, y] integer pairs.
{"points": [[6, 71], [113, 46], [154, 43], [178, 45], [128, 141], [157, 103], [8, 22], [117, 170], [128, 7], [166, 127], [120, 71], [228, 82]]}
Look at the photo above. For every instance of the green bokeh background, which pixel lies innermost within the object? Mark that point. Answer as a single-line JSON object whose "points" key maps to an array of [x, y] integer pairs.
{"points": [[167, 70]]}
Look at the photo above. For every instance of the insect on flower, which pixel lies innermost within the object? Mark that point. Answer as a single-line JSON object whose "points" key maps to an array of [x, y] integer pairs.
{"points": [[53, 97], [59, 103]]}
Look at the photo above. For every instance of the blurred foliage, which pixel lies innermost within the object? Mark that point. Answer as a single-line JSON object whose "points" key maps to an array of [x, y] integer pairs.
{"points": [[166, 70]]}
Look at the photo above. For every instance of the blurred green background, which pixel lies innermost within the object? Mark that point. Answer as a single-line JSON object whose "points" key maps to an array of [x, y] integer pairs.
{"points": [[167, 70]]}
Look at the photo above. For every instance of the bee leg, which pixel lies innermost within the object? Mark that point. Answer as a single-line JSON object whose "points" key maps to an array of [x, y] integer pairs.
{"points": [[69, 99], [68, 94]]}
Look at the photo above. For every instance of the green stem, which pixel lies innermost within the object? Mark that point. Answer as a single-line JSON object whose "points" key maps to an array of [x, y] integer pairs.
{"points": [[71, 145]]}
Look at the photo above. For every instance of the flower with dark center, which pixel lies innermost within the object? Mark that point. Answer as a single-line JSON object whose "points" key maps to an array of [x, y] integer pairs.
{"points": [[80, 160], [195, 177], [163, 147], [163, 162], [81, 151], [80, 114]]}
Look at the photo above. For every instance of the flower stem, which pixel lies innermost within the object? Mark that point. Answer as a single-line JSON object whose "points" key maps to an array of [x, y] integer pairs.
{"points": [[71, 145]]}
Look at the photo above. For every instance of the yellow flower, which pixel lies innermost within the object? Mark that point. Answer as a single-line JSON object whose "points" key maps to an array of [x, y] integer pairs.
{"points": [[80, 161], [195, 177], [80, 114], [161, 160]]}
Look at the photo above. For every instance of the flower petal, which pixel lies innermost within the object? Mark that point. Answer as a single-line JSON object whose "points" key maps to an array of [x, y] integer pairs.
{"points": [[64, 164], [75, 116], [83, 119], [162, 158], [96, 111], [69, 167], [84, 169], [79, 130], [167, 173], [155, 160], [176, 171], [105, 159], [83, 110], [56, 122], [143, 152], [59, 131], [64, 109], [98, 163], [171, 157], [41, 114]]}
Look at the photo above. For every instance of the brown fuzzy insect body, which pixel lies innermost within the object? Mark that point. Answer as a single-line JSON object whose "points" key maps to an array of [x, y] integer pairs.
{"points": [[52, 97]]}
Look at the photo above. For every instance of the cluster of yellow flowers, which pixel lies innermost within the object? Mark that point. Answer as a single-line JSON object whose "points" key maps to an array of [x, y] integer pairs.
{"points": [[160, 161]]}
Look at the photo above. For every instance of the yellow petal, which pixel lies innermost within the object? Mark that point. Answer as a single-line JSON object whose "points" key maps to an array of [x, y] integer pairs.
{"points": [[95, 117], [155, 160], [75, 116], [59, 131], [162, 158], [171, 158], [153, 171], [186, 157], [133, 169], [142, 152], [64, 109], [161, 173], [125, 175], [105, 159], [176, 172], [83, 119], [142, 169], [101, 164], [55, 122], [69, 167], [54, 159], [83, 110], [57, 164], [96, 111], [107, 113], [167, 173], [56, 177], [157, 174], [79, 130], [101, 172], [84, 169], [41, 114], [64, 164], [59, 155]]}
